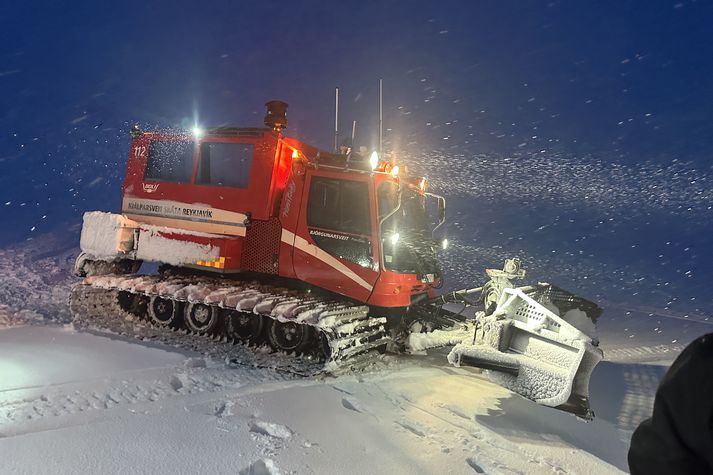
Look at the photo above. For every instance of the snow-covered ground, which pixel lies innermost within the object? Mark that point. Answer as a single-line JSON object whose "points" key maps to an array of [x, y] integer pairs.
{"points": [[74, 400], [98, 404]]}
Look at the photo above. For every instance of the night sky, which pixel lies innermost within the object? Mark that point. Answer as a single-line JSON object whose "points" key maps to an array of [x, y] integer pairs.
{"points": [[575, 134]]}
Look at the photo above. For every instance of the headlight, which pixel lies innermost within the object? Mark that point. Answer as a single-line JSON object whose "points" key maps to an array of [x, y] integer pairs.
{"points": [[374, 160]]}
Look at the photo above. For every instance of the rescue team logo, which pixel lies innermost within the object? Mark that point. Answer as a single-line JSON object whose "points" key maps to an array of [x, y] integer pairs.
{"points": [[150, 187]]}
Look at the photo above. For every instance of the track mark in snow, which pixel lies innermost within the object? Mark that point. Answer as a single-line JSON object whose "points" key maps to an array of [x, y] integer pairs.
{"points": [[64, 399], [271, 429], [644, 354], [261, 467], [638, 404], [342, 390], [352, 404], [456, 411], [412, 429], [474, 465]]}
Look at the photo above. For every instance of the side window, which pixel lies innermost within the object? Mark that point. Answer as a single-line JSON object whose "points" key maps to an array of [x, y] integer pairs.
{"points": [[323, 209], [340, 210], [224, 164], [170, 161]]}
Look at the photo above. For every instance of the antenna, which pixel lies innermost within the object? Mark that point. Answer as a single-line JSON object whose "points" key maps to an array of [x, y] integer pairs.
{"points": [[336, 119], [353, 133], [381, 117]]}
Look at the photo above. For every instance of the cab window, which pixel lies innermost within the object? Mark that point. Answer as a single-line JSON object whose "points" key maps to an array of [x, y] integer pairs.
{"points": [[170, 160], [224, 164]]}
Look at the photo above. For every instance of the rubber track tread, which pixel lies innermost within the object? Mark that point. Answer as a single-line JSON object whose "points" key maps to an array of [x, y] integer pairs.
{"points": [[353, 337]]}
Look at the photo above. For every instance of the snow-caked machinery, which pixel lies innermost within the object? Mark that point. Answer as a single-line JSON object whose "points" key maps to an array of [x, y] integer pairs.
{"points": [[266, 240]]}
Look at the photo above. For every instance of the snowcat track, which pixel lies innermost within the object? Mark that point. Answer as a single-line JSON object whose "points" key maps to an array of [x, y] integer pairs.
{"points": [[346, 337]]}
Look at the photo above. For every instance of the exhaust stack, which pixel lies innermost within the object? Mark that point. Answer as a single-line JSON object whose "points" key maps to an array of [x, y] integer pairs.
{"points": [[276, 117]]}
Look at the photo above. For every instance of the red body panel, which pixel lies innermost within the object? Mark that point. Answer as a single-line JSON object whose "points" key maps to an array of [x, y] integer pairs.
{"points": [[258, 198], [263, 227]]}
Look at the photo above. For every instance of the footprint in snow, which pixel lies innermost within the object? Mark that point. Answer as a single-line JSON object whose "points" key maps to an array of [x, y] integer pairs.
{"points": [[474, 465], [277, 431], [352, 404], [175, 382], [224, 409], [261, 467]]}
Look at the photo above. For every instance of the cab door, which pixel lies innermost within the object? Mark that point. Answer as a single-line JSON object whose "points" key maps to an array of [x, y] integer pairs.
{"points": [[336, 246]]}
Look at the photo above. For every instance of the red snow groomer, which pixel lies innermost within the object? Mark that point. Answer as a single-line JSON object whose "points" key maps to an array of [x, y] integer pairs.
{"points": [[263, 238]]}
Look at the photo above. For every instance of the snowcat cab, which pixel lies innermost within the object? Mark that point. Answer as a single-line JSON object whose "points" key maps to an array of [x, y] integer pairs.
{"points": [[249, 200], [263, 237]]}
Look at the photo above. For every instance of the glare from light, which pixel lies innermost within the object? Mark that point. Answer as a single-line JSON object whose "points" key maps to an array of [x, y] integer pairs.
{"points": [[444, 243], [295, 153], [198, 132], [395, 170], [394, 238], [422, 184], [374, 160]]}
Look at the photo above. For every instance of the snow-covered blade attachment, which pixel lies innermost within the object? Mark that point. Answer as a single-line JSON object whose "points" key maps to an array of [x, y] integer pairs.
{"points": [[535, 352]]}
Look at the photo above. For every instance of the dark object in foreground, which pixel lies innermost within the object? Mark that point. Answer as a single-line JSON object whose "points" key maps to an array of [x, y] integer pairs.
{"points": [[678, 438]]}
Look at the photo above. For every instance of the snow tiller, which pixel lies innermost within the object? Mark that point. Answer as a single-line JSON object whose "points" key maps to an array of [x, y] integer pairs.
{"points": [[266, 240]]}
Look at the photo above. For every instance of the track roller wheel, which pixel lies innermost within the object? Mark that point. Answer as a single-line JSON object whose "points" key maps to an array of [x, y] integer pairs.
{"points": [[164, 312], [201, 318], [243, 326], [134, 304], [289, 337]]}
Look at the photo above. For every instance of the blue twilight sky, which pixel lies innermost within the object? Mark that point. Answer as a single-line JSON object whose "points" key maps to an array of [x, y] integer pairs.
{"points": [[574, 129]]}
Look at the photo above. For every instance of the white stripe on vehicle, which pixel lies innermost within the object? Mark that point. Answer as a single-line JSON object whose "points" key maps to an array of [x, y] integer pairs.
{"points": [[302, 244]]}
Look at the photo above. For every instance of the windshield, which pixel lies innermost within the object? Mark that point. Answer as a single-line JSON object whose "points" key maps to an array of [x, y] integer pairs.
{"points": [[406, 236]]}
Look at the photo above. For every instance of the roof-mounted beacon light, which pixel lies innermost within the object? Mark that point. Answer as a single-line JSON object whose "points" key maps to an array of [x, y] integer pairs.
{"points": [[136, 131], [276, 117]]}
